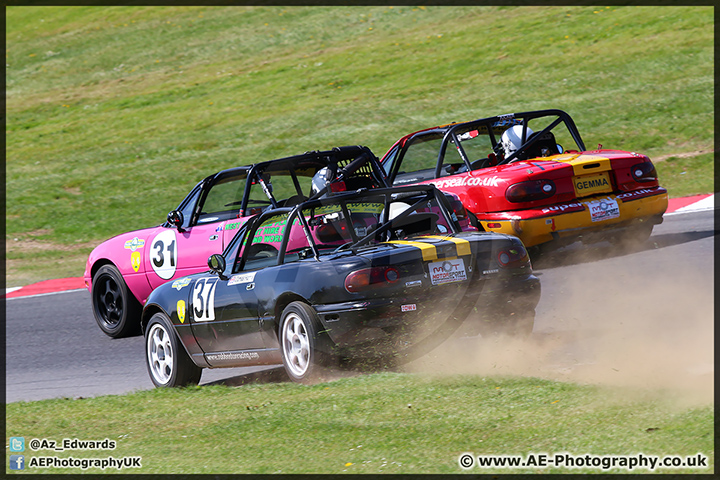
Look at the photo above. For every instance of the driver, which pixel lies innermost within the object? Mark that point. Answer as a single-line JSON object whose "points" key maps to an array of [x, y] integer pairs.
{"points": [[322, 179], [511, 139]]}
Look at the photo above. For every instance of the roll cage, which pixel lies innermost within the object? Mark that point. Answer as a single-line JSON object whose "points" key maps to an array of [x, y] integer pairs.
{"points": [[352, 166], [417, 194], [489, 126]]}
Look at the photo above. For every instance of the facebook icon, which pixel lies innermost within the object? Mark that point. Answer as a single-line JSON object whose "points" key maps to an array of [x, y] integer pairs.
{"points": [[17, 462]]}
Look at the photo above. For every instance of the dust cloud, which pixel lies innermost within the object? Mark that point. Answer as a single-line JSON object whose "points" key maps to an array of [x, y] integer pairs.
{"points": [[605, 323]]}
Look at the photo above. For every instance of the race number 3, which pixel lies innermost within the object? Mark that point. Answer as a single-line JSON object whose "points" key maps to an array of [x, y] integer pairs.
{"points": [[204, 299], [163, 254]]}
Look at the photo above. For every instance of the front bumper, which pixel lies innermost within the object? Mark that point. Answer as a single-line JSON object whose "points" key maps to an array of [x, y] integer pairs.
{"points": [[574, 220]]}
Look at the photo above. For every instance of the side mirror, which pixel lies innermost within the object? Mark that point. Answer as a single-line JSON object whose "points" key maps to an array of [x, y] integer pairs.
{"points": [[560, 148], [216, 262], [175, 218]]}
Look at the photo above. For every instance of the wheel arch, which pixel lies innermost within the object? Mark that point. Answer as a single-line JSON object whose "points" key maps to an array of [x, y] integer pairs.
{"points": [[283, 301], [148, 312]]}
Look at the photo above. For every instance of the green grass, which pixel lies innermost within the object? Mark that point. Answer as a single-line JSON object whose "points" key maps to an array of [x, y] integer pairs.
{"points": [[689, 176], [113, 113], [379, 423]]}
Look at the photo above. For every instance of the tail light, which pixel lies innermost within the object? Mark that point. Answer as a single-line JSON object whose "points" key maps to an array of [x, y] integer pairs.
{"points": [[513, 257], [530, 191], [332, 232], [371, 278], [644, 172], [338, 187]]}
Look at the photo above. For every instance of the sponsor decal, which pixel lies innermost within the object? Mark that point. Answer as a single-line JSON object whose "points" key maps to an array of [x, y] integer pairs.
{"points": [[603, 209], [488, 272], [467, 181], [447, 271], [233, 226], [242, 278], [181, 310], [135, 260], [134, 244], [181, 283], [358, 207], [408, 308], [636, 193], [562, 208], [233, 356]]}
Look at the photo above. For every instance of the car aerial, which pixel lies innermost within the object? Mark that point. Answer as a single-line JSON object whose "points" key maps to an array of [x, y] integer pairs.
{"points": [[121, 272], [514, 176], [371, 275]]}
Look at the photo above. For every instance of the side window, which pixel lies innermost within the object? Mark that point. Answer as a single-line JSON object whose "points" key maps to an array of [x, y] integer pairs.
{"points": [[419, 161], [477, 146], [282, 188], [188, 208], [223, 200], [389, 160], [262, 247]]}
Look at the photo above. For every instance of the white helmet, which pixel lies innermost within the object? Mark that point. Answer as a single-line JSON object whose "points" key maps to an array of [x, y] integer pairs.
{"points": [[511, 139], [321, 179]]}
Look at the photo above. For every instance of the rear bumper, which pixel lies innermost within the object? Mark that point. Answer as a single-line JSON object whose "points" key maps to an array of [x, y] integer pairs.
{"points": [[575, 219], [375, 322]]}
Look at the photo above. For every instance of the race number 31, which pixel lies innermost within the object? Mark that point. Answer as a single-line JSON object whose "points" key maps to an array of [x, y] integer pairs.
{"points": [[163, 254]]}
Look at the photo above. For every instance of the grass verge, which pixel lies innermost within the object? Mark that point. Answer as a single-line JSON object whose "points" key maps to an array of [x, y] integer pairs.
{"points": [[378, 423]]}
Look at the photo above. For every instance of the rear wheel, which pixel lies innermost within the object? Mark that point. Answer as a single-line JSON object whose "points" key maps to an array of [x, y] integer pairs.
{"points": [[167, 361], [299, 342], [116, 309]]}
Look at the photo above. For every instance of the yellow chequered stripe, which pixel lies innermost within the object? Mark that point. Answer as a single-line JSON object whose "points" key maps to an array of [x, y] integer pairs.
{"points": [[429, 252], [463, 246]]}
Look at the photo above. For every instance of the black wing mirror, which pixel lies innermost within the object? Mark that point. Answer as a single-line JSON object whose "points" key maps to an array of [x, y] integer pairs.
{"points": [[216, 262], [175, 218]]}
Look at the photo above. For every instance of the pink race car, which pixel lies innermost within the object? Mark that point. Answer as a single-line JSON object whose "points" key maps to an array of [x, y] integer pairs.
{"points": [[122, 271]]}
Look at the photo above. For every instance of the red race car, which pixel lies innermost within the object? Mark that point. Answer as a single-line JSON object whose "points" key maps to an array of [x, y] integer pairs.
{"points": [[514, 176]]}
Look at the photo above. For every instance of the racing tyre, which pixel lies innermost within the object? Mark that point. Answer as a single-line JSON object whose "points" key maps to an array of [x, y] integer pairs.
{"points": [[299, 342], [167, 361], [116, 309]]}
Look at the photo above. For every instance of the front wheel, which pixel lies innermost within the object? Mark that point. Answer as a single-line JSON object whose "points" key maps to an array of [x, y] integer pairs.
{"points": [[299, 341], [116, 309], [167, 361]]}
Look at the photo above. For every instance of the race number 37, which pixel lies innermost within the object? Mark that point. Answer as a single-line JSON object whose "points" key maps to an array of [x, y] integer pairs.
{"points": [[204, 299], [163, 254]]}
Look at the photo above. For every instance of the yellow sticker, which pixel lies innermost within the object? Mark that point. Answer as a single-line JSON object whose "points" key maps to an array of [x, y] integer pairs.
{"points": [[181, 310], [135, 260]]}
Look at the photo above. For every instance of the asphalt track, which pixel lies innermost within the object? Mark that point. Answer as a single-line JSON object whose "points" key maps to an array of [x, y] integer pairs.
{"points": [[54, 348]]}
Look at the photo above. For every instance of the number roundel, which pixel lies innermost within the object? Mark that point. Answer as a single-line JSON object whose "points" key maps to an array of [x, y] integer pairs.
{"points": [[163, 256]]}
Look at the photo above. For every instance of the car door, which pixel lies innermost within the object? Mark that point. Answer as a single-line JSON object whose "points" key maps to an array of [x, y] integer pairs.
{"points": [[224, 315], [176, 252]]}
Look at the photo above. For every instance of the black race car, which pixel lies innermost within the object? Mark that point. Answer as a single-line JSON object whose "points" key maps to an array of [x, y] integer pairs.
{"points": [[377, 275]]}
